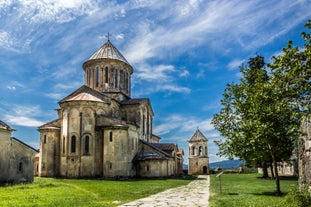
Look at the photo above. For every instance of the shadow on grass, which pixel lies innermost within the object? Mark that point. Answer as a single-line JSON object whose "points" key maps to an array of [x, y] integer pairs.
{"points": [[281, 178], [270, 194]]}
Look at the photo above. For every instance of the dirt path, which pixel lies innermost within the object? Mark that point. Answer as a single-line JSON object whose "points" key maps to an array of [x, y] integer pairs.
{"points": [[195, 194]]}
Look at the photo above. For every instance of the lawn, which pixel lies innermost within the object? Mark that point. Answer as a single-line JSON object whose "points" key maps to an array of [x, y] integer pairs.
{"points": [[70, 192], [248, 190]]}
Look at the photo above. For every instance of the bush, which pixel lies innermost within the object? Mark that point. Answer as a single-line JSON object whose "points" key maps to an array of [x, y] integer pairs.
{"points": [[297, 199]]}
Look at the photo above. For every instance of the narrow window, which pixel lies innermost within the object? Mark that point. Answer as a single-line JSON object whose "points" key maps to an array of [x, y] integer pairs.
{"points": [[87, 145], [122, 79], [90, 77], [126, 81], [110, 136], [97, 76], [147, 167], [20, 166], [116, 78], [73, 144], [110, 165], [106, 75], [44, 139]]}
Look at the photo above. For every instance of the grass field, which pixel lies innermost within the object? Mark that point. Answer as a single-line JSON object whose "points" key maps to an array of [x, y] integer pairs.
{"points": [[67, 192], [248, 190]]}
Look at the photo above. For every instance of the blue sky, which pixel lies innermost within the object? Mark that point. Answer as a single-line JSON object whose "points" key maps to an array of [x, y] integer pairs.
{"points": [[183, 54]]}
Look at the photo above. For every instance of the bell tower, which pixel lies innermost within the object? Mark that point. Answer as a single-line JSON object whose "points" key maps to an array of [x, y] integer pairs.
{"points": [[198, 154], [109, 72]]}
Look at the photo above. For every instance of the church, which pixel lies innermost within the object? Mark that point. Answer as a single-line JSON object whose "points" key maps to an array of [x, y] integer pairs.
{"points": [[101, 132]]}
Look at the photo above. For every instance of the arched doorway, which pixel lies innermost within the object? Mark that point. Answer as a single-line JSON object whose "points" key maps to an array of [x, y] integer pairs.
{"points": [[204, 170]]}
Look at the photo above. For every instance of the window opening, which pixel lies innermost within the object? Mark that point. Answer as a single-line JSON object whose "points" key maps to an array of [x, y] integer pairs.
{"points": [[110, 136], [20, 166], [116, 78], [87, 145], [44, 139], [97, 77], [73, 144]]}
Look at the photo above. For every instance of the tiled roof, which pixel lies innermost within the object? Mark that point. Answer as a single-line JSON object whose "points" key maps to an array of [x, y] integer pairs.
{"points": [[149, 155], [3, 125], [23, 143], [198, 136], [165, 146], [85, 93], [51, 125], [134, 101], [108, 51]]}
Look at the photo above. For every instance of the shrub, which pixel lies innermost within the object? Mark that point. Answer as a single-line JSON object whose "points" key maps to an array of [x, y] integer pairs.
{"points": [[297, 199]]}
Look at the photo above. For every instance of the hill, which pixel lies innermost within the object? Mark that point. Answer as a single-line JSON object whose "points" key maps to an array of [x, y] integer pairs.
{"points": [[226, 164]]}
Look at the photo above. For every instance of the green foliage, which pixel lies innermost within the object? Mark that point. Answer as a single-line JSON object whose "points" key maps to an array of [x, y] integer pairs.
{"points": [[69, 192], [297, 199], [245, 190]]}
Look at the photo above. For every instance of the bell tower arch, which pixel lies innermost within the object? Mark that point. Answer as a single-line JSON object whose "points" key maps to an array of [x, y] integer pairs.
{"points": [[198, 154]]}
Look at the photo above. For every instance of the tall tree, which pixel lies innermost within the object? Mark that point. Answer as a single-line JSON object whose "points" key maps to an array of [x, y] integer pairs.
{"points": [[253, 122]]}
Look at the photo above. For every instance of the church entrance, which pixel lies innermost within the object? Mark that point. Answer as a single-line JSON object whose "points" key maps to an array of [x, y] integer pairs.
{"points": [[204, 170]]}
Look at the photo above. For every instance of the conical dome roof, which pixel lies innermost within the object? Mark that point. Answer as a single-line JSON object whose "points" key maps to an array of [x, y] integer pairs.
{"points": [[108, 51], [198, 136]]}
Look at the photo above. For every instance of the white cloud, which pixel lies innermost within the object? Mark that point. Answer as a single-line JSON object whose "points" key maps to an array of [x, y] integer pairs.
{"points": [[235, 64], [183, 124], [23, 121]]}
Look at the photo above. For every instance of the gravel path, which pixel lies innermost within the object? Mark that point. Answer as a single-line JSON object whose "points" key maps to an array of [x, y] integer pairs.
{"points": [[195, 194]]}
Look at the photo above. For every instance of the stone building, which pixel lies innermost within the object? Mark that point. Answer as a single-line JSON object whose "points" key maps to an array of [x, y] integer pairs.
{"points": [[198, 154], [16, 157], [101, 131]]}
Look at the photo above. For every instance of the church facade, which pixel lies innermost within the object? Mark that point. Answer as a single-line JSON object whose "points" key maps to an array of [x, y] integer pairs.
{"points": [[101, 131]]}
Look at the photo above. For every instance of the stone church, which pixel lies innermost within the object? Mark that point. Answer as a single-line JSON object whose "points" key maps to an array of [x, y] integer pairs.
{"points": [[101, 131], [16, 157]]}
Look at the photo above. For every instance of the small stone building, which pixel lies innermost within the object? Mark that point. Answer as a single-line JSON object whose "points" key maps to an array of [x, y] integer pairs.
{"points": [[16, 157], [100, 130], [198, 154]]}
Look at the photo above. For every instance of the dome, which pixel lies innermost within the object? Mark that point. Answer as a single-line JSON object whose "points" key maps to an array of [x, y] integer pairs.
{"points": [[108, 51]]}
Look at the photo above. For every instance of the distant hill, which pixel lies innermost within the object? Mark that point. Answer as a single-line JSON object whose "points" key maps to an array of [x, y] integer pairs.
{"points": [[226, 164]]}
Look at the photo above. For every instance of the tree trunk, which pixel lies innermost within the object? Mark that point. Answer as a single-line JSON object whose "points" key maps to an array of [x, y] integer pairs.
{"points": [[265, 170], [277, 179], [272, 171]]}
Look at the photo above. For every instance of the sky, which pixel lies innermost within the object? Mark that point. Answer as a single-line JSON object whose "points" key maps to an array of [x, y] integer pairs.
{"points": [[183, 52]]}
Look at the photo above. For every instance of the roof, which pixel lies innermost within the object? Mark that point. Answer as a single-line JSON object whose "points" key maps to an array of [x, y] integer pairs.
{"points": [[149, 155], [108, 51], [5, 126], [26, 145], [51, 125], [167, 147], [198, 136], [135, 101], [85, 93]]}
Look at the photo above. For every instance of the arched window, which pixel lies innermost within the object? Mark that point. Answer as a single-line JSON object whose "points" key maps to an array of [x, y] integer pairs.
{"points": [[73, 144], [44, 139], [20, 166], [87, 145], [116, 78], [106, 75], [193, 150], [97, 77], [200, 151]]}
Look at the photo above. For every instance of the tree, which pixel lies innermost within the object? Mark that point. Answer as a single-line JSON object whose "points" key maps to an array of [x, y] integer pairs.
{"points": [[253, 122]]}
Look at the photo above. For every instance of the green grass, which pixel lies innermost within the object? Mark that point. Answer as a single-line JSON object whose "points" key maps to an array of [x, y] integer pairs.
{"points": [[248, 190], [69, 192]]}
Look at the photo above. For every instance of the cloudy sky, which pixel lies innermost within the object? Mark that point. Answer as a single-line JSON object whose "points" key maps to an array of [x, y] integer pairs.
{"points": [[183, 52]]}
